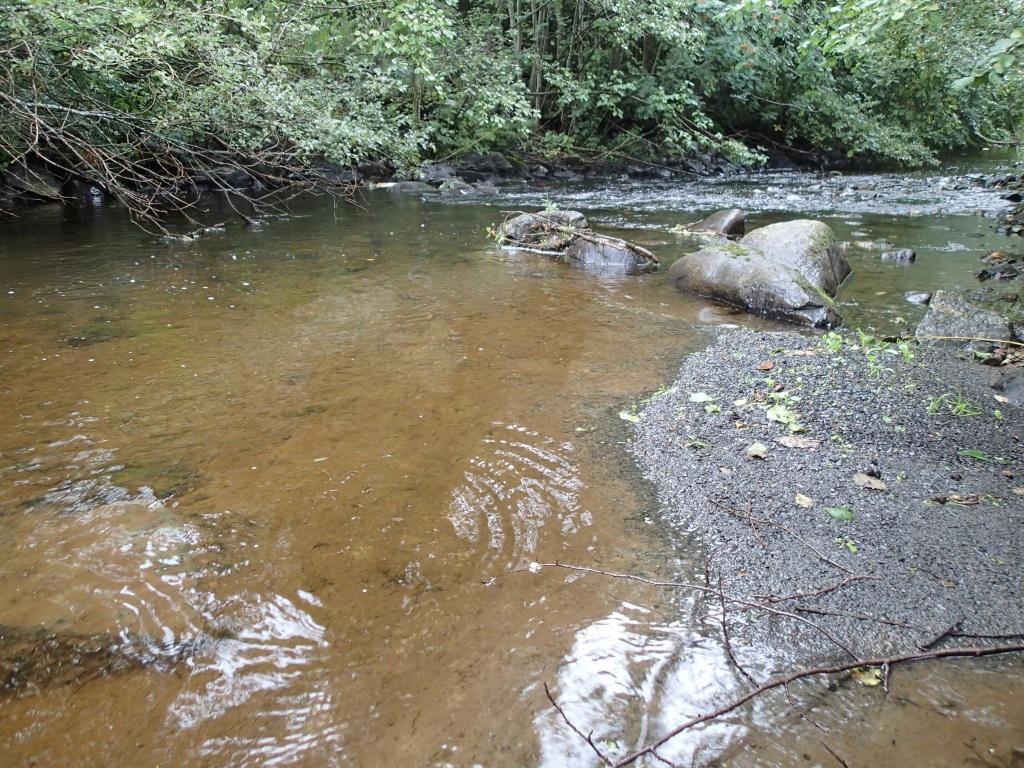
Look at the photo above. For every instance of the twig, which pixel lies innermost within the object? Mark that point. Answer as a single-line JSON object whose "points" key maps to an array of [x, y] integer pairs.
{"points": [[586, 737], [799, 711], [816, 551], [939, 638], [824, 670], [833, 753], [725, 636]]}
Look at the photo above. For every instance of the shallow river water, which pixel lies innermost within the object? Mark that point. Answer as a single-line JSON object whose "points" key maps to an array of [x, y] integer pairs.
{"points": [[272, 496]]}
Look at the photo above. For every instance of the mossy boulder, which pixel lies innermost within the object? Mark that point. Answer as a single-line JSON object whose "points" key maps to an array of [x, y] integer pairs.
{"points": [[787, 271]]}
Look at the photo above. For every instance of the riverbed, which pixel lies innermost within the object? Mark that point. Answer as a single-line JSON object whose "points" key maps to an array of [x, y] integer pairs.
{"points": [[294, 476]]}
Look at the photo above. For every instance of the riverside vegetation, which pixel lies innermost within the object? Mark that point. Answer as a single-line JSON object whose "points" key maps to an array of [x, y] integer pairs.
{"points": [[139, 97]]}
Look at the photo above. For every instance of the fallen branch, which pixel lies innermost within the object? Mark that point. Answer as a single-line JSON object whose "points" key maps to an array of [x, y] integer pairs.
{"points": [[814, 672]]}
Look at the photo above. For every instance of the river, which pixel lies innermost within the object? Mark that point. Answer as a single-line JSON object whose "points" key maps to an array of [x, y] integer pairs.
{"points": [[271, 496]]}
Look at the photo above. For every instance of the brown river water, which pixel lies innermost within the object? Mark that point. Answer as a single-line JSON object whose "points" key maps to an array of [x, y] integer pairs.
{"points": [[272, 496]]}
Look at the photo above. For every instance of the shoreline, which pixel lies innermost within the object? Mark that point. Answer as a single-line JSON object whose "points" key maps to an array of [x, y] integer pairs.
{"points": [[894, 522]]}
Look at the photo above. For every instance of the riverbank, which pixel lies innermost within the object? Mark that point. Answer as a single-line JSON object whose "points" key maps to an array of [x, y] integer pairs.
{"points": [[853, 498]]}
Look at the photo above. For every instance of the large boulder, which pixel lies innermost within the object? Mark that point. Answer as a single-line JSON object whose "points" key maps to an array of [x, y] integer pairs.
{"points": [[807, 246], [567, 235], [786, 271]]}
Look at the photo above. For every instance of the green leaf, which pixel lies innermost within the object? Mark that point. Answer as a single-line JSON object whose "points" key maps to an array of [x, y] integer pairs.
{"points": [[757, 450], [843, 513], [631, 417], [700, 397], [973, 453]]}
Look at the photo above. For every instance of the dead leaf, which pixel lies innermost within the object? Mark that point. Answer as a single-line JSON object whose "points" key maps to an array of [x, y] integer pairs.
{"points": [[757, 450], [766, 366], [880, 293], [870, 483], [1018, 491], [725, 470], [739, 403], [948, 584], [795, 441], [803, 352], [804, 501], [741, 424], [1001, 399]]}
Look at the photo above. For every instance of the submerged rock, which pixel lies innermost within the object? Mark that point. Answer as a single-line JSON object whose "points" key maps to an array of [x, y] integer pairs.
{"points": [[904, 255], [567, 235], [786, 271]]}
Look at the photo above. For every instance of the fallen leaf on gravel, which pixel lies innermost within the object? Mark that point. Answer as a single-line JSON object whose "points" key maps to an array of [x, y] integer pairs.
{"points": [[948, 584], [804, 501], [1018, 491], [960, 499], [757, 450], [739, 403], [627, 416], [871, 483], [766, 366], [867, 675], [741, 424], [794, 441], [803, 352], [1001, 399], [843, 513], [700, 397]]}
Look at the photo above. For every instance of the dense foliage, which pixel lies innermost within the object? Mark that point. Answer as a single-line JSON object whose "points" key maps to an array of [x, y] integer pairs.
{"points": [[140, 91]]}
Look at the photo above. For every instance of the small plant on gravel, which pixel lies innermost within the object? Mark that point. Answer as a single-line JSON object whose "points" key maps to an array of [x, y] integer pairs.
{"points": [[832, 341], [847, 543], [955, 402]]}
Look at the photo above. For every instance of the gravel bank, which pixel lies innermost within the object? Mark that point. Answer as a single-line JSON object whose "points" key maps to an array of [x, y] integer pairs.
{"points": [[938, 544]]}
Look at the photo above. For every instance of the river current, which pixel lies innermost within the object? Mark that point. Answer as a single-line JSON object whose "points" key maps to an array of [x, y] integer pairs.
{"points": [[276, 495]]}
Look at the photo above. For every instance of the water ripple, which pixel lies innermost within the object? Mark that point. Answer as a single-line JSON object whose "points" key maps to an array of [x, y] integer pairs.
{"points": [[512, 489]]}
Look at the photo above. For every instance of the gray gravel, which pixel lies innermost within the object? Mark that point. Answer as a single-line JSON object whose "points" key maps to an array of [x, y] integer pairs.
{"points": [[941, 569]]}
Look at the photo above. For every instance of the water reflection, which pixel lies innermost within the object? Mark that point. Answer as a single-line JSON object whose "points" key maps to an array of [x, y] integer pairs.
{"points": [[631, 677], [520, 482]]}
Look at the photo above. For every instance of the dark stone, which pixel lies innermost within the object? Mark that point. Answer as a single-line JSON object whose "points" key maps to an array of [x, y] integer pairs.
{"points": [[567, 235], [492, 162], [904, 255], [407, 187], [333, 173], [786, 271], [1013, 197], [82, 192], [34, 179], [458, 188], [1011, 386], [545, 230], [433, 174], [603, 252], [999, 180], [374, 170], [728, 222], [1000, 272], [951, 315]]}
